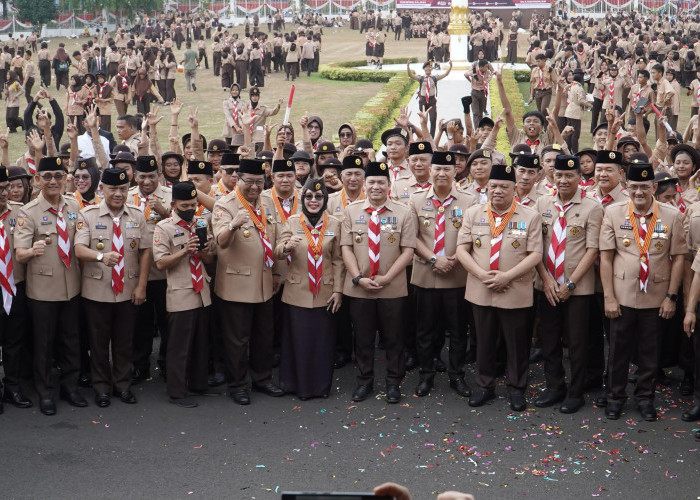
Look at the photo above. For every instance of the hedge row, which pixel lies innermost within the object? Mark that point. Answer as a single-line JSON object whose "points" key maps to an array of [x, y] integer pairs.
{"points": [[336, 72], [516, 102]]}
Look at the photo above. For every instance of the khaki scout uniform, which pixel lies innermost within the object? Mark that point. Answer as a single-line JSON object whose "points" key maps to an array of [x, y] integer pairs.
{"points": [[336, 207], [545, 138], [385, 307], [154, 308], [440, 297], [111, 318], [639, 323], [188, 312], [244, 284], [403, 188], [53, 291], [507, 311], [14, 324], [541, 84], [569, 319], [473, 189]]}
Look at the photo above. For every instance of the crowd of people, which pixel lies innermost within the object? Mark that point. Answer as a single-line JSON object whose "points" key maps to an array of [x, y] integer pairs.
{"points": [[275, 246]]}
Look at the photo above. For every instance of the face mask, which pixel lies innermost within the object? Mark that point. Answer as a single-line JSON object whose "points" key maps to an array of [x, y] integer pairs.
{"points": [[186, 215]]}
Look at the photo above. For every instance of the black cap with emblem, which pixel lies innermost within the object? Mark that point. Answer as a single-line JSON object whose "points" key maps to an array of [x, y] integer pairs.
{"points": [[566, 162], [527, 160], [604, 156], [329, 163], [4, 174], [184, 191], [230, 159], [377, 169], [199, 167], [640, 172], [253, 167], [217, 146], [114, 177], [479, 153], [49, 163], [352, 162], [146, 164], [282, 166], [443, 158], [419, 148], [394, 132], [502, 173], [85, 163]]}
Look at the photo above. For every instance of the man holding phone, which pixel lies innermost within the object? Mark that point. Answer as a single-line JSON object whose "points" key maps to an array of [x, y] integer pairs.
{"points": [[181, 247]]}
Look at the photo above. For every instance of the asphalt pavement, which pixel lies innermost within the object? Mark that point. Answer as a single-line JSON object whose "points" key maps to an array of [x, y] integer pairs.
{"points": [[432, 444]]}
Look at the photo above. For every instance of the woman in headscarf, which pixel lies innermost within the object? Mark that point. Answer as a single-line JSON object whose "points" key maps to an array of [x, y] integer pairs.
{"points": [[20, 185], [312, 293], [86, 178], [172, 167], [13, 92], [120, 84], [61, 66], [144, 91], [234, 106], [76, 97]]}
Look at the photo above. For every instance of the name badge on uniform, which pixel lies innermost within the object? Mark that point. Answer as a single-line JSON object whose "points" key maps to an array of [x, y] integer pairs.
{"points": [[99, 225], [548, 213], [329, 233], [131, 225], [427, 209], [626, 226], [178, 232], [360, 221], [300, 231], [201, 223]]}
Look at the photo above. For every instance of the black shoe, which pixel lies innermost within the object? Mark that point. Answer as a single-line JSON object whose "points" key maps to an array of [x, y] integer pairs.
{"points": [[216, 380], [440, 365], [189, 402], [613, 410], [103, 400], [362, 392], [572, 405], [601, 400], [393, 394], [648, 412], [194, 87], [140, 376], [550, 397], [126, 397], [241, 397], [536, 355], [423, 389], [276, 360], [84, 380], [481, 396], [73, 398], [17, 399], [692, 415], [47, 406], [663, 379], [518, 402], [270, 389], [411, 363], [688, 384], [341, 360], [460, 387]]}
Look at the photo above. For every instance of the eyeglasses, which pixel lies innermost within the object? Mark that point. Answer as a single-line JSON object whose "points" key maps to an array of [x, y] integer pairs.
{"points": [[317, 196], [230, 171], [82, 177], [639, 187], [250, 183], [316, 127], [57, 176], [346, 134], [6, 187]]}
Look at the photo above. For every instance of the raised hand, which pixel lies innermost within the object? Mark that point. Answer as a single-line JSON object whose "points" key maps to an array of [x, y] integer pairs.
{"points": [[176, 106]]}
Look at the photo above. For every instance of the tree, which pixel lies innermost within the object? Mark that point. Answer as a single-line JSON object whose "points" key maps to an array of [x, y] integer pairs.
{"points": [[37, 12]]}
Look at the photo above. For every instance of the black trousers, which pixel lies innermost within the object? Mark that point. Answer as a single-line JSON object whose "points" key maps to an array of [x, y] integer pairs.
{"points": [[517, 333], [600, 329], [45, 72], [432, 114], [542, 99], [248, 336], [203, 55], [216, 56], [634, 334], [368, 316], [569, 321], [278, 308], [149, 316], [13, 338], [28, 89], [440, 310], [56, 339], [595, 112], [111, 324], [478, 106], [572, 140], [410, 322], [343, 329], [188, 347]]}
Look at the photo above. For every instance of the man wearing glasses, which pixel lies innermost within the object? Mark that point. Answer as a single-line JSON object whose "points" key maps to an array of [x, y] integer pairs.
{"points": [[229, 174], [246, 280], [44, 241]]}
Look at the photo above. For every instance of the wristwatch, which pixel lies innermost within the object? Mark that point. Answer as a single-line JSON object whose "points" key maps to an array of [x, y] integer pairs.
{"points": [[100, 256], [570, 285], [672, 296], [433, 260], [356, 279]]}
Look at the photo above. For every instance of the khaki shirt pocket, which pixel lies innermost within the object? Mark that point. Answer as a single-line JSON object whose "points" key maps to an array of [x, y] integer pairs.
{"points": [[359, 236], [240, 270], [390, 237], [293, 278], [42, 270], [94, 273]]}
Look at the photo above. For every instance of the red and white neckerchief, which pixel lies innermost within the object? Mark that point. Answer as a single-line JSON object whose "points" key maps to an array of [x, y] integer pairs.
{"points": [[483, 193], [425, 185], [142, 203], [374, 238], [541, 85], [611, 92], [605, 200], [396, 172], [89, 89], [252, 122], [100, 94], [486, 84], [260, 222], [439, 244], [551, 188], [32, 165], [643, 229], [586, 183], [125, 83], [118, 247], [638, 95], [427, 87], [557, 246], [498, 223], [681, 201], [525, 201], [83, 202], [64, 252], [234, 110], [7, 278], [533, 144], [314, 252], [74, 97], [195, 262]]}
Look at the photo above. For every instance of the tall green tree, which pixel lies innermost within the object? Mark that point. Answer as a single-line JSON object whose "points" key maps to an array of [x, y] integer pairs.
{"points": [[37, 12]]}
